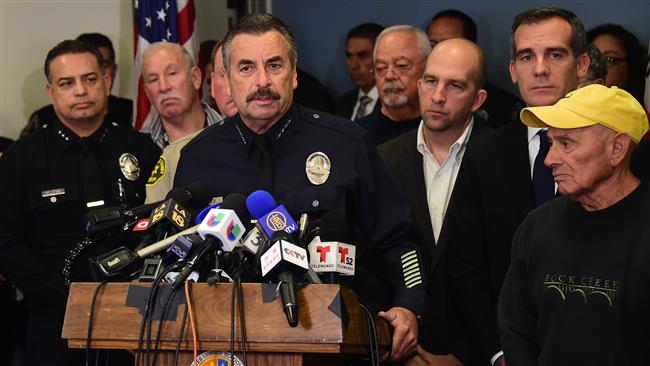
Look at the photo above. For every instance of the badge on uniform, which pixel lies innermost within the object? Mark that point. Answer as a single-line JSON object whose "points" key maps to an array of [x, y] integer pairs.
{"points": [[129, 166], [318, 167], [158, 172]]}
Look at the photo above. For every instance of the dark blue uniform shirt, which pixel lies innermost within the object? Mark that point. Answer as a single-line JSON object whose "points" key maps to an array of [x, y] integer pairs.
{"points": [[357, 186]]}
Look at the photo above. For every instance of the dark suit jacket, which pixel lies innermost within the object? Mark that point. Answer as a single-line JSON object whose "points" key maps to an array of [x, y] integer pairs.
{"points": [[492, 196], [442, 332]]}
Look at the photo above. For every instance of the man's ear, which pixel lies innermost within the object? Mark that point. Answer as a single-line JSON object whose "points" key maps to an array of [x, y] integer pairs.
{"points": [[196, 77], [479, 99], [583, 65], [620, 145], [513, 73]]}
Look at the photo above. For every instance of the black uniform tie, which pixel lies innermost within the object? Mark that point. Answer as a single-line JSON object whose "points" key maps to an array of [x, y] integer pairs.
{"points": [[263, 175], [543, 183], [91, 179]]}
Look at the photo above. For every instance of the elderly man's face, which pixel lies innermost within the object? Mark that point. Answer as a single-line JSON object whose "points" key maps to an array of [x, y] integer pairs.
{"points": [[399, 64], [171, 85], [580, 159]]}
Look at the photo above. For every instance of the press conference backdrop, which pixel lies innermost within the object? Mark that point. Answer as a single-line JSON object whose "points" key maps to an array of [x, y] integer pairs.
{"points": [[29, 28]]}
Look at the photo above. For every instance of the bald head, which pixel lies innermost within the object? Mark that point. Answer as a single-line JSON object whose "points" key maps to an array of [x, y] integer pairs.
{"points": [[451, 88], [460, 51]]}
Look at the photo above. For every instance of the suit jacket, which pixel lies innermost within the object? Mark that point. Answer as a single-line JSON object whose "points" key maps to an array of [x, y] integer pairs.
{"points": [[492, 196], [345, 104], [442, 332]]}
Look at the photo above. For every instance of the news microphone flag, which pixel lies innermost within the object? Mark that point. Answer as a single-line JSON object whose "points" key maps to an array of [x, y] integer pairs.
{"points": [[224, 225], [331, 256], [155, 21], [286, 252], [276, 220]]}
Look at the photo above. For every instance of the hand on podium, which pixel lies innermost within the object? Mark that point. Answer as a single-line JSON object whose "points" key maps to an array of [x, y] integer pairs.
{"points": [[405, 332]]}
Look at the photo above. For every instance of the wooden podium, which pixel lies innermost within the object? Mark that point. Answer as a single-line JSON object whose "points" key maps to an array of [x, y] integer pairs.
{"points": [[332, 325]]}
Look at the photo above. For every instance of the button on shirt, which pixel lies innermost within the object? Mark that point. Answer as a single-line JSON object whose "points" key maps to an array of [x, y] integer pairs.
{"points": [[440, 178]]}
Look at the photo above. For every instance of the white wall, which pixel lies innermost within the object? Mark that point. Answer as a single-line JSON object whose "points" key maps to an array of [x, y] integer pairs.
{"points": [[28, 29]]}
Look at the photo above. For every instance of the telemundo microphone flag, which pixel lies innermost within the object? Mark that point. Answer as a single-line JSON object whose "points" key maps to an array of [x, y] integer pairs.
{"points": [[155, 21]]}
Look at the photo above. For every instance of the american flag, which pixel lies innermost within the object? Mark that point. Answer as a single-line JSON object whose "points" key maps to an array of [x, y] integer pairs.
{"points": [[155, 21]]}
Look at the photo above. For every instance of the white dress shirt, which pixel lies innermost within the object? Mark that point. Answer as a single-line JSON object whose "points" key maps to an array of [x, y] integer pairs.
{"points": [[439, 178], [533, 148]]}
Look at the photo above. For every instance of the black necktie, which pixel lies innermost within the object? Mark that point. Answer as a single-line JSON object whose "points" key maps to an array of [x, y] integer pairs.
{"points": [[543, 183], [263, 175], [362, 111], [91, 179]]}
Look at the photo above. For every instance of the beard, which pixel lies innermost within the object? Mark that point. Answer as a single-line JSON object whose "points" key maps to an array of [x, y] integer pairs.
{"points": [[393, 94]]}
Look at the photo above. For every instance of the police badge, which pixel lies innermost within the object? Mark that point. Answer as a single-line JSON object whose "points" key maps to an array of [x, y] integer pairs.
{"points": [[129, 166], [317, 168]]}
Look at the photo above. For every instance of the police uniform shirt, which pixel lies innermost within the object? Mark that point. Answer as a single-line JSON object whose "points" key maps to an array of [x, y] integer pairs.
{"points": [[357, 185], [42, 198]]}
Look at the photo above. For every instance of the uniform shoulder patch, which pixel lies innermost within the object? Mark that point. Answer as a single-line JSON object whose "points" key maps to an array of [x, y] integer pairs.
{"points": [[158, 172]]}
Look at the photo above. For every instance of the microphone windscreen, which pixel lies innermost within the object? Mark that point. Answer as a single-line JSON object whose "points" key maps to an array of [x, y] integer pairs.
{"points": [[237, 203], [179, 195], [334, 227], [280, 235], [260, 203], [200, 194]]}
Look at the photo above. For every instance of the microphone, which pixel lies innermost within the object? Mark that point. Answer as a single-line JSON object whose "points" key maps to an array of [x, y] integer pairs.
{"points": [[328, 252], [196, 194], [221, 229], [171, 215], [284, 261], [270, 217]]}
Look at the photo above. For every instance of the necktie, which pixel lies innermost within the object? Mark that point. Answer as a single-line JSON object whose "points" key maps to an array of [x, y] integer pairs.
{"points": [[263, 175], [362, 111], [543, 183], [91, 181]]}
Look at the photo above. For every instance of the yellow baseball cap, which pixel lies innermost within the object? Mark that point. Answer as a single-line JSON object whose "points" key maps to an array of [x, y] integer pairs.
{"points": [[593, 104]]}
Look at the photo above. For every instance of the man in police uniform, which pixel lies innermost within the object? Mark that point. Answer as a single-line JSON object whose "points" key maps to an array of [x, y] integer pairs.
{"points": [[51, 178], [309, 160]]}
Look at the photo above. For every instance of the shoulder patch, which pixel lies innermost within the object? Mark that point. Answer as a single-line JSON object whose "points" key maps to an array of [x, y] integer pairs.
{"points": [[158, 172]]}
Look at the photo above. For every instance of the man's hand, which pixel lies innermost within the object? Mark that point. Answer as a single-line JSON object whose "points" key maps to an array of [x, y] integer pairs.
{"points": [[405, 331], [425, 358]]}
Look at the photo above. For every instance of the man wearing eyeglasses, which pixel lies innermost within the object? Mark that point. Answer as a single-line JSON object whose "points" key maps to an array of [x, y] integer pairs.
{"points": [[399, 56]]}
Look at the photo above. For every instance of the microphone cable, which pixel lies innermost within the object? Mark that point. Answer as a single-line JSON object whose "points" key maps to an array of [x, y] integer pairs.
{"points": [[188, 292], [372, 334], [152, 291], [172, 294], [180, 334], [242, 318], [90, 321]]}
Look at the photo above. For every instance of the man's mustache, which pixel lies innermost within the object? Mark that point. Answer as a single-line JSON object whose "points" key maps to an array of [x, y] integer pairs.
{"points": [[265, 93]]}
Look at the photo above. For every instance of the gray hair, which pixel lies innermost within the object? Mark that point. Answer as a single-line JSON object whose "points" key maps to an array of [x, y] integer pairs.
{"points": [[189, 60], [258, 24], [424, 45]]}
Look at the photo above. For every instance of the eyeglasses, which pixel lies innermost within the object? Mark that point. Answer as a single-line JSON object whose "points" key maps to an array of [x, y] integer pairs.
{"points": [[612, 60], [400, 68]]}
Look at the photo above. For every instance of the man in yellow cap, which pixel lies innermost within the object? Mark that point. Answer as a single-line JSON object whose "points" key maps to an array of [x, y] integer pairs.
{"points": [[576, 291]]}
